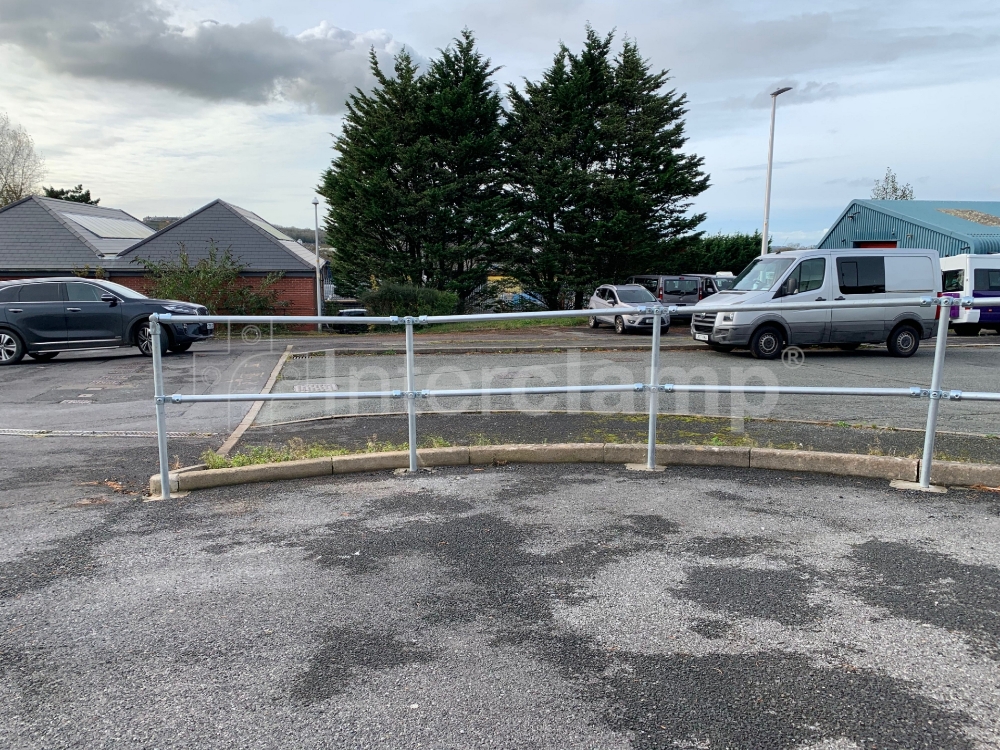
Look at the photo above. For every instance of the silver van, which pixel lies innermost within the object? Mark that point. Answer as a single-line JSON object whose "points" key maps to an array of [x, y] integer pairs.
{"points": [[822, 275]]}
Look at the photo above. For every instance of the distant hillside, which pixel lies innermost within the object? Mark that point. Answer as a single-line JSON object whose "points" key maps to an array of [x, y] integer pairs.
{"points": [[308, 236]]}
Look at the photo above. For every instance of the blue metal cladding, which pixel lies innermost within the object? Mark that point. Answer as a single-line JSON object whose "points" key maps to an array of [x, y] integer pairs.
{"points": [[865, 222]]}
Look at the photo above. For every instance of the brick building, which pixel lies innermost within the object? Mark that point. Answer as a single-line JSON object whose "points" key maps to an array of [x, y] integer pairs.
{"points": [[48, 237]]}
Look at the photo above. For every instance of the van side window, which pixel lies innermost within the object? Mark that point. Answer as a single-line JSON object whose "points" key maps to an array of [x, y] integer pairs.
{"points": [[9, 293], [652, 285], [953, 281], [807, 277], [987, 280], [862, 275]]}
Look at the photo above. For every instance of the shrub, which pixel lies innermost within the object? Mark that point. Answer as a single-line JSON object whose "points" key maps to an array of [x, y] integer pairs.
{"points": [[214, 282], [406, 299]]}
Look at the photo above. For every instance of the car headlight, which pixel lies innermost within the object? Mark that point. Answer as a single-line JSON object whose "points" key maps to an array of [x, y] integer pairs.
{"points": [[727, 317], [181, 309]]}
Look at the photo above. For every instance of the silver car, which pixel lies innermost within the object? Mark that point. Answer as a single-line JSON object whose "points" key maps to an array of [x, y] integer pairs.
{"points": [[609, 296]]}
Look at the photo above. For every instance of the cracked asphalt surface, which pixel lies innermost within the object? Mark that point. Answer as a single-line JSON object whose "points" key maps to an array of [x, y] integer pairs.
{"points": [[495, 607]]}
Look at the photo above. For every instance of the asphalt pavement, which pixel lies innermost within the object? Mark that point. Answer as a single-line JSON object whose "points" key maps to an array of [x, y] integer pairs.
{"points": [[497, 607]]}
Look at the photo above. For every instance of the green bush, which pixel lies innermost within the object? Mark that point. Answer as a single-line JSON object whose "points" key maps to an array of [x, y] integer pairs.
{"points": [[214, 282], [406, 299]]}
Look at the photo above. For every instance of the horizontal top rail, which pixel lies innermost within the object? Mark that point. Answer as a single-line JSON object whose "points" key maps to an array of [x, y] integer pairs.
{"points": [[549, 314]]}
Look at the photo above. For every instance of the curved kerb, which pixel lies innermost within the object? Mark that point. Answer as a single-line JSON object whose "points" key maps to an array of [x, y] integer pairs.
{"points": [[841, 464]]}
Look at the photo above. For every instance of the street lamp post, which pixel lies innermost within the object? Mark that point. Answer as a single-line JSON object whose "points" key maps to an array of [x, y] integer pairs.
{"points": [[319, 282], [770, 162]]}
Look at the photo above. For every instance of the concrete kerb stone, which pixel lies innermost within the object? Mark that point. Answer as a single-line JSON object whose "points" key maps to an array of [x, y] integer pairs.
{"points": [[842, 464], [557, 453], [957, 473], [847, 464], [678, 455]]}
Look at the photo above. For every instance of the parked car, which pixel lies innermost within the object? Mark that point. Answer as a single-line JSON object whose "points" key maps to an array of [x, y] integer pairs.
{"points": [[609, 296], [352, 312], [683, 291], [43, 317], [972, 276], [820, 275]]}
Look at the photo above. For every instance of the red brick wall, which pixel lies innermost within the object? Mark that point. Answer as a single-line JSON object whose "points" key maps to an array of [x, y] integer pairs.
{"points": [[298, 291]]}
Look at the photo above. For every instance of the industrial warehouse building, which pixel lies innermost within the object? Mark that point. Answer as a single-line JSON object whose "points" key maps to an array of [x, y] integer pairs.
{"points": [[47, 237], [950, 227]]}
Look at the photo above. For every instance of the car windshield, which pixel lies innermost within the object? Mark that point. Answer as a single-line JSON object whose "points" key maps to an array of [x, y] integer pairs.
{"points": [[762, 274], [631, 296], [680, 286], [122, 291]]}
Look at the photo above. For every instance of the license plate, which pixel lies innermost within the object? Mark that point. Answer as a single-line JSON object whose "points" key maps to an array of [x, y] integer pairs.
{"points": [[701, 337], [211, 326]]}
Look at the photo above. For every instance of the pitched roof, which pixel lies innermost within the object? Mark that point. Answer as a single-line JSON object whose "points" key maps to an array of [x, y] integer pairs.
{"points": [[974, 223], [973, 218], [48, 234], [256, 243]]}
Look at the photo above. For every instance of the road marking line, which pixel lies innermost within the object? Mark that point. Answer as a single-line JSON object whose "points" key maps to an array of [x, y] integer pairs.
{"points": [[256, 407]]}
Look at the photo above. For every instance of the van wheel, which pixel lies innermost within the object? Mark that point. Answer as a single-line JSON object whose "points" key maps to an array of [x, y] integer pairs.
{"points": [[594, 322], [767, 342], [967, 329], [11, 348], [619, 324], [903, 341]]}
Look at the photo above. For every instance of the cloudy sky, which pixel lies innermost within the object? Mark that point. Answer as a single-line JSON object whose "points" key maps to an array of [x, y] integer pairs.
{"points": [[160, 106]]}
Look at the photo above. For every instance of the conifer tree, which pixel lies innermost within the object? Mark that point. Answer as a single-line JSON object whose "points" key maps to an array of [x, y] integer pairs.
{"points": [[600, 186]]}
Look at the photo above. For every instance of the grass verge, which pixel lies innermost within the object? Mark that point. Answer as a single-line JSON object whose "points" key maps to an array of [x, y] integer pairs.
{"points": [[297, 449]]}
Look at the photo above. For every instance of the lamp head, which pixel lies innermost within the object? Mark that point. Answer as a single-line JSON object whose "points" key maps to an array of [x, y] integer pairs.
{"points": [[315, 201], [781, 91]]}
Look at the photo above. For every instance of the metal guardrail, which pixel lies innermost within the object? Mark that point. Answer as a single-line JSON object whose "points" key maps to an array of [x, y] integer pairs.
{"points": [[935, 394]]}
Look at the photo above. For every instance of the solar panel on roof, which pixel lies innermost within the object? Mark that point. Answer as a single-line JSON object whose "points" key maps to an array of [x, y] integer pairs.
{"points": [[111, 229], [268, 228]]}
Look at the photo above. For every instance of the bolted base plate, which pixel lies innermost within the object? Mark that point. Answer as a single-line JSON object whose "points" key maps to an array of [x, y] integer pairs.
{"points": [[899, 484], [643, 467]]}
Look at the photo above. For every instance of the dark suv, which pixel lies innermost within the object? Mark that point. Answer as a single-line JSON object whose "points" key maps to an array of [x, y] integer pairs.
{"points": [[42, 317]]}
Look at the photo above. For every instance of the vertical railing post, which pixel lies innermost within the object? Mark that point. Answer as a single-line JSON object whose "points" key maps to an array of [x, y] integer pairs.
{"points": [[160, 398], [654, 389], [940, 346], [411, 394]]}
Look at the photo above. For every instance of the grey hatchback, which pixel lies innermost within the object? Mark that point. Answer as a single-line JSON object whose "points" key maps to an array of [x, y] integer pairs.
{"points": [[610, 296], [42, 317]]}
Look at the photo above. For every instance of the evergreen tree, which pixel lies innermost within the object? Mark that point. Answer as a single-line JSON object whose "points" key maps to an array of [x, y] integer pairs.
{"points": [[375, 185], [600, 186], [75, 194], [465, 200], [415, 188]]}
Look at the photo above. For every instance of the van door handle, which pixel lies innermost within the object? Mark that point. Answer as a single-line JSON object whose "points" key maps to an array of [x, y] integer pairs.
{"points": [[839, 299], [72, 309], [820, 299], [14, 309]]}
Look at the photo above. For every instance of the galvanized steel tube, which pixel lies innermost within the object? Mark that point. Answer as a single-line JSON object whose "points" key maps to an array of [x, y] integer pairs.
{"points": [[940, 347], [161, 415], [411, 397]]}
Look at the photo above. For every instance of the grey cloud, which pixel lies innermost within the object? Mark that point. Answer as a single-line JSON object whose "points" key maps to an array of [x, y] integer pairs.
{"points": [[135, 41]]}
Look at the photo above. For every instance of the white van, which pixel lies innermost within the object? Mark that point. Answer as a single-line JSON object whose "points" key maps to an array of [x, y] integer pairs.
{"points": [[822, 275], [972, 276]]}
